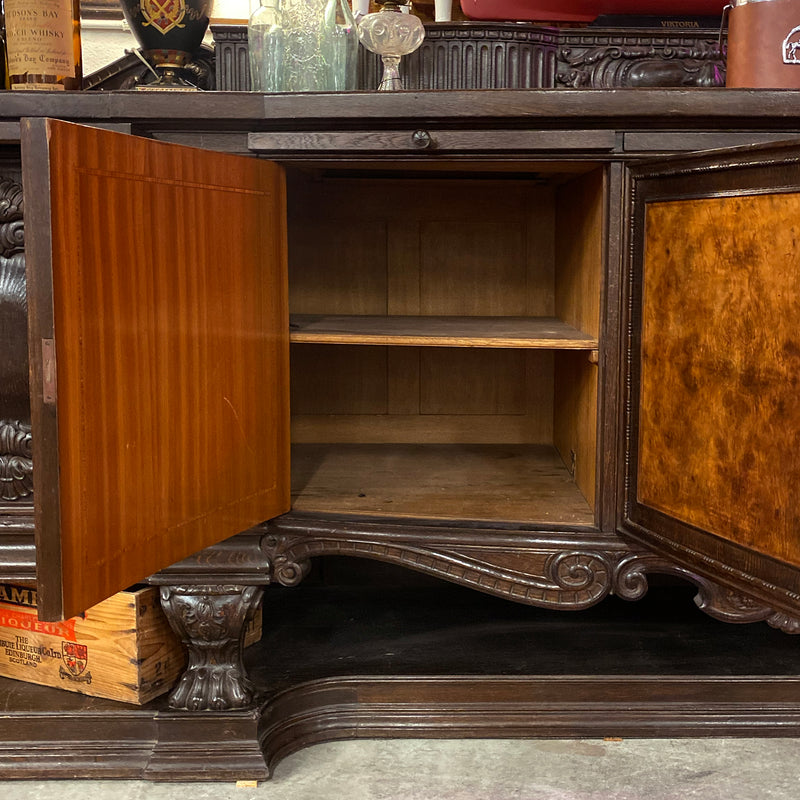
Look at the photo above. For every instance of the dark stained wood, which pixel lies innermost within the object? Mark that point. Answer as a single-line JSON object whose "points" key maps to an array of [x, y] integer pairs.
{"points": [[433, 141], [170, 321], [460, 664], [752, 585], [671, 109], [665, 141]]}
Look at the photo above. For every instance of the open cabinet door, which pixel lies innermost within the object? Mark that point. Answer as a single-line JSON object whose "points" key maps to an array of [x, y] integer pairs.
{"points": [[158, 333], [712, 417]]}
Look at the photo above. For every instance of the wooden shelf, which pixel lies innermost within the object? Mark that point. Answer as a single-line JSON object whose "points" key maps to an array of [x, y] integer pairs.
{"points": [[544, 333], [524, 483]]}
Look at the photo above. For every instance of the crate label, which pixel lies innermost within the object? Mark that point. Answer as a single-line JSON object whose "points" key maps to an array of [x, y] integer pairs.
{"points": [[17, 595], [18, 650], [21, 621], [74, 661]]}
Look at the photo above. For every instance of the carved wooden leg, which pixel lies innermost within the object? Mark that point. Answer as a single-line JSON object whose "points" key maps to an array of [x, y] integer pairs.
{"points": [[210, 621]]}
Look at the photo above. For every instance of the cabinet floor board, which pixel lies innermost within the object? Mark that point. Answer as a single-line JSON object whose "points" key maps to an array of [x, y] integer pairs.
{"points": [[527, 483]]}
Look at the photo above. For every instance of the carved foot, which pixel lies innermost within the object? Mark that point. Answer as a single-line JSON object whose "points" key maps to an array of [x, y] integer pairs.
{"points": [[210, 621]]}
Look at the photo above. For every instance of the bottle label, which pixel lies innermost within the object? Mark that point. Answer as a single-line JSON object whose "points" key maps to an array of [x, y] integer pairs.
{"points": [[39, 37]]}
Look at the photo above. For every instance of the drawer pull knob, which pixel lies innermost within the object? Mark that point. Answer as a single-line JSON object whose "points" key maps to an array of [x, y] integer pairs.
{"points": [[421, 140]]}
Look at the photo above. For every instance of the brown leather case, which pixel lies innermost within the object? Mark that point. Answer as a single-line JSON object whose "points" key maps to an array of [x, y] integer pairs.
{"points": [[760, 37]]}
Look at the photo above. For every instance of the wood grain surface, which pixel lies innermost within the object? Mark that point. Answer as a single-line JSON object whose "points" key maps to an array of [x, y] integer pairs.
{"points": [[525, 483], [720, 409], [450, 331], [171, 329]]}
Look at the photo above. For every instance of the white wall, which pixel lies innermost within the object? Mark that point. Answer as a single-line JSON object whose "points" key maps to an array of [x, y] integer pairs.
{"points": [[104, 40]]}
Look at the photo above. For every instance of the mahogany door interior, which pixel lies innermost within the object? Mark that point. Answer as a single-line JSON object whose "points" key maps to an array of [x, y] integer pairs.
{"points": [[159, 344]]}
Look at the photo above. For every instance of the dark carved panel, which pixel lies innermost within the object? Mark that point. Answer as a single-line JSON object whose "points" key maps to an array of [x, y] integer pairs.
{"points": [[16, 467], [461, 55], [16, 461], [508, 55], [572, 570], [210, 621], [607, 61]]}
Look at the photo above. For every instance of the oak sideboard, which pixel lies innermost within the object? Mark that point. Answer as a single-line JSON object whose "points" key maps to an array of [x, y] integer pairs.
{"points": [[542, 344]]}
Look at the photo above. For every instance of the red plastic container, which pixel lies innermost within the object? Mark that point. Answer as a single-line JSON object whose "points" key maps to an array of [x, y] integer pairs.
{"points": [[585, 10]]}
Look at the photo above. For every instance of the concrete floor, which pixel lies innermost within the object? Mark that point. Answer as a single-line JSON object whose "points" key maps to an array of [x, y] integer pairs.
{"points": [[705, 769]]}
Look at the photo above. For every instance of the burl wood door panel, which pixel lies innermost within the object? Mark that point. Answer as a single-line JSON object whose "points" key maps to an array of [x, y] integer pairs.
{"points": [[719, 428], [159, 275], [713, 471]]}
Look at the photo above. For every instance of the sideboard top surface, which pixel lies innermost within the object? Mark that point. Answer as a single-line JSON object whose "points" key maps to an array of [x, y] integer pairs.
{"points": [[673, 108]]}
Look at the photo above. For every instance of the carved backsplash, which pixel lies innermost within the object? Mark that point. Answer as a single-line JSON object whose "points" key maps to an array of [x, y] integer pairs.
{"points": [[508, 55]]}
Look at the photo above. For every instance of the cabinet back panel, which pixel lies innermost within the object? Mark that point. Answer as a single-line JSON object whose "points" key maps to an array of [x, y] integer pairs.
{"points": [[453, 247], [412, 392], [472, 268], [339, 268], [457, 381], [339, 379]]}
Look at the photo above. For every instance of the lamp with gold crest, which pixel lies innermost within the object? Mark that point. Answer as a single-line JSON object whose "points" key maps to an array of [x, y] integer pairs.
{"points": [[170, 32]]}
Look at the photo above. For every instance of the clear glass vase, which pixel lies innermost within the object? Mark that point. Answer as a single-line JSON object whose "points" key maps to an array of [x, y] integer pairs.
{"points": [[265, 36]]}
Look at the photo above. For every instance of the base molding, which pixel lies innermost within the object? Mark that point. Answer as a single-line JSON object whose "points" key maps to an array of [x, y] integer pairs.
{"points": [[109, 740], [526, 707]]}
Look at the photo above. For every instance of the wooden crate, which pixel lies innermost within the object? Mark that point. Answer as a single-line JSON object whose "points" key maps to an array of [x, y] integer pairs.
{"points": [[121, 649]]}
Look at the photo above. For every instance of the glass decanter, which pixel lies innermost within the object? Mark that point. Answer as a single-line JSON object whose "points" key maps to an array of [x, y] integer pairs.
{"points": [[342, 26], [265, 38]]}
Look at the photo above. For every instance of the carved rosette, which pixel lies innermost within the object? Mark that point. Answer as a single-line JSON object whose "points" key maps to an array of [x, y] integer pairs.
{"points": [[287, 568], [210, 620]]}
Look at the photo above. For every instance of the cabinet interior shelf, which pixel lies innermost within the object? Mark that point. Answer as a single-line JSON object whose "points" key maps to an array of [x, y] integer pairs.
{"points": [[541, 333], [528, 483]]}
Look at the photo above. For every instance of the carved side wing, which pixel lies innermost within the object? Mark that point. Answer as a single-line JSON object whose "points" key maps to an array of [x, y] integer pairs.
{"points": [[16, 466]]}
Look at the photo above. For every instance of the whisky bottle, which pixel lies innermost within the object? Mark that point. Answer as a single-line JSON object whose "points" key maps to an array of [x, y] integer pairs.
{"points": [[3, 63], [43, 42]]}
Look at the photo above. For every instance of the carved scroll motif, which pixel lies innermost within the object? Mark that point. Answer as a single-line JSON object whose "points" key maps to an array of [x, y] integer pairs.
{"points": [[16, 465], [543, 573], [572, 578], [210, 621], [720, 602], [615, 65]]}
